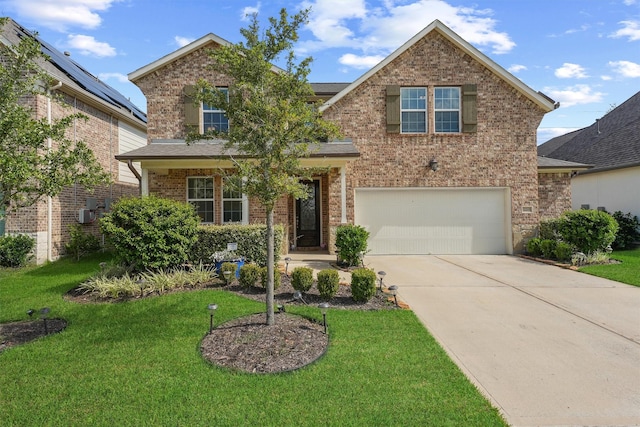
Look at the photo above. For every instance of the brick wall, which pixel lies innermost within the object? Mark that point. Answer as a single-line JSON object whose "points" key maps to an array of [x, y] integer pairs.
{"points": [[554, 193]]}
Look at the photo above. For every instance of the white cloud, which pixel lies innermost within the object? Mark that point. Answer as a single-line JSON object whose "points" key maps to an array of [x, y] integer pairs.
{"points": [[606, 78], [515, 68], [629, 2], [248, 11], [574, 95], [360, 62], [545, 134], [182, 41], [625, 68], [570, 71], [87, 45], [630, 29], [119, 77], [61, 14], [378, 31]]}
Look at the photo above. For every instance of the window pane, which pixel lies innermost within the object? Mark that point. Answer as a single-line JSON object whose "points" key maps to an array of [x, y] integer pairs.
{"points": [[215, 122], [447, 121], [204, 209], [232, 211], [414, 122], [200, 195]]}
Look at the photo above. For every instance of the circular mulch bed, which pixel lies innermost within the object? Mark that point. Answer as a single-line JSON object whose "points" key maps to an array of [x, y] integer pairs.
{"points": [[248, 344], [22, 332]]}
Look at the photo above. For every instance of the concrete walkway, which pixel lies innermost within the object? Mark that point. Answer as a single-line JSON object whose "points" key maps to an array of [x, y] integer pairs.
{"points": [[548, 346]]}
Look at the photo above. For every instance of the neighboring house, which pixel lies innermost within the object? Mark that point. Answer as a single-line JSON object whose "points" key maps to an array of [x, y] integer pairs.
{"points": [[114, 126], [612, 146], [439, 153]]}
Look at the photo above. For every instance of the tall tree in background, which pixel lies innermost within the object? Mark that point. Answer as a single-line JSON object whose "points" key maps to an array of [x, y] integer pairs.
{"points": [[29, 168], [271, 123]]}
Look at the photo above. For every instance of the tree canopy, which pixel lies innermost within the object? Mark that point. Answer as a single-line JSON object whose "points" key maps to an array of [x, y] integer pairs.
{"points": [[30, 168], [271, 121]]}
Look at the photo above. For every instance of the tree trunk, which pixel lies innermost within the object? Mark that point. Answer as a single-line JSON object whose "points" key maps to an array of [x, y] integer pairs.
{"points": [[270, 273]]}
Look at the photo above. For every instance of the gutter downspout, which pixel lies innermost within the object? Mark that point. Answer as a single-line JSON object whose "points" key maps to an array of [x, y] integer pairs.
{"points": [[49, 199], [136, 174]]}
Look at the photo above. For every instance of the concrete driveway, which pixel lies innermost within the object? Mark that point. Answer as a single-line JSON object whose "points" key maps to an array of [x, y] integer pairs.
{"points": [[548, 346]]}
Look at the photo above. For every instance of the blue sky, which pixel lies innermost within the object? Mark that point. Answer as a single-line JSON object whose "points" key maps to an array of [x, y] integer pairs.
{"points": [[583, 53]]}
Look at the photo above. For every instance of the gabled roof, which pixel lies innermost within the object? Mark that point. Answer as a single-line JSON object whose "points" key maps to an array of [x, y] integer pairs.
{"points": [[72, 75], [544, 102], [612, 142], [549, 165]]}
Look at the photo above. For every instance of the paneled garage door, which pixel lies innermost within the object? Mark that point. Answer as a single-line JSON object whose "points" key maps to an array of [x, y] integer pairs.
{"points": [[435, 221]]}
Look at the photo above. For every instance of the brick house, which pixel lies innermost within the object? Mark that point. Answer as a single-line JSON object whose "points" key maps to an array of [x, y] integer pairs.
{"points": [[439, 153], [114, 126]]}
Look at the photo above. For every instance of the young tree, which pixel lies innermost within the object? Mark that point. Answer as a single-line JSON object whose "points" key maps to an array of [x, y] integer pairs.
{"points": [[29, 168], [271, 123]]}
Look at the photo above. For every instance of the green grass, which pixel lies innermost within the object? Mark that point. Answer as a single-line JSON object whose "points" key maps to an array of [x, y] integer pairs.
{"points": [[628, 271], [138, 363]]}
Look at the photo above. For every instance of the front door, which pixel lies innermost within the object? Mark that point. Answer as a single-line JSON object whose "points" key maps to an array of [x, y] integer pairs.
{"points": [[308, 217]]}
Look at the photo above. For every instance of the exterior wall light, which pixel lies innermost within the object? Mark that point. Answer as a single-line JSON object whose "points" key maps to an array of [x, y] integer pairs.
{"points": [[381, 274], [323, 308], [212, 310], [286, 265], [433, 164], [393, 289]]}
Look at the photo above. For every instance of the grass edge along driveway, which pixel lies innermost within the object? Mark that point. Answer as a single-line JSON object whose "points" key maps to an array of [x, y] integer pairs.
{"points": [[137, 363]]}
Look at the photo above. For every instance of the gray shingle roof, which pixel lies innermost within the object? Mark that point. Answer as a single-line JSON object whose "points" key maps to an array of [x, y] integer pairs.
{"points": [[612, 142], [166, 149], [549, 163]]}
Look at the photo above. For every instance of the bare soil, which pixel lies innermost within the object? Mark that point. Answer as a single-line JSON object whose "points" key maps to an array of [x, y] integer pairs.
{"points": [[17, 333]]}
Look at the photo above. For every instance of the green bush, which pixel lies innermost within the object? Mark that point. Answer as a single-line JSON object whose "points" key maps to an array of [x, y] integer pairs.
{"points": [[548, 248], [563, 251], [351, 241], [80, 242], [588, 230], [628, 231], [251, 240], [549, 229], [151, 233], [363, 284], [15, 251], [228, 266], [277, 277], [328, 283], [249, 275], [302, 279], [533, 247]]}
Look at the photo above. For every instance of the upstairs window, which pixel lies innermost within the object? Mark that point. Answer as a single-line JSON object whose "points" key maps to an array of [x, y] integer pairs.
{"points": [[213, 118], [200, 195], [447, 109], [413, 109]]}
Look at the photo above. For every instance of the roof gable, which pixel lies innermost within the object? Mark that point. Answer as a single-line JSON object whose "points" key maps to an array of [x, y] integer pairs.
{"points": [[545, 103]]}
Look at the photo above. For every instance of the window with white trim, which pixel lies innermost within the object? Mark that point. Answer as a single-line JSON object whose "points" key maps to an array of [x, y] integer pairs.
{"points": [[201, 195], [447, 109], [233, 203], [413, 109], [213, 118]]}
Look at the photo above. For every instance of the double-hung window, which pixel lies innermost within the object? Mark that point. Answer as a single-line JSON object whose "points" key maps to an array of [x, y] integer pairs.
{"points": [[213, 118], [447, 109], [200, 194], [232, 205], [413, 109]]}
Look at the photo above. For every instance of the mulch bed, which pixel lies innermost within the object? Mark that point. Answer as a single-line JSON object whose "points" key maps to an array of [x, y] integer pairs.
{"points": [[22, 332]]}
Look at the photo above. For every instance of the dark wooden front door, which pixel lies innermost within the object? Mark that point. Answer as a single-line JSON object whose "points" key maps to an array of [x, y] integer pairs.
{"points": [[308, 217]]}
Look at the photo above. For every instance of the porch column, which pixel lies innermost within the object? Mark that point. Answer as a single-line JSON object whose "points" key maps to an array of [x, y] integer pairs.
{"points": [[343, 195], [144, 183]]}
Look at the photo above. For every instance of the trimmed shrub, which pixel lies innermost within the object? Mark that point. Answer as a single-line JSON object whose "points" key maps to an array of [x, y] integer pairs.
{"points": [[151, 233], [251, 240], [563, 251], [328, 283], [363, 284], [277, 278], [548, 248], [249, 275], [15, 251], [351, 241], [302, 279], [628, 231], [81, 243], [533, 247], [549, 229], [588, 230]]}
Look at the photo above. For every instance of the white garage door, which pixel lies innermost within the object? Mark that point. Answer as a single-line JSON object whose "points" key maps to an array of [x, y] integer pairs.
{"points": [[435, 221]]}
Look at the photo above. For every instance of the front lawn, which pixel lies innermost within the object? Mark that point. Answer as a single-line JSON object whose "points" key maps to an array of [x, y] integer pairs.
{"points": [[138, 363], [628, 271]]}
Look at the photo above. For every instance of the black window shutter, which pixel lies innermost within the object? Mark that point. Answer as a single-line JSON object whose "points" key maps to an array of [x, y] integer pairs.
{"points": [[393, 109], [191, 109], [469, 108]]}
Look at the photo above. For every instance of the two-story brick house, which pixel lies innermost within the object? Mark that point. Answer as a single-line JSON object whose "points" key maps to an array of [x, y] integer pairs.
{"points": [[114, 125], [439, 153]]}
